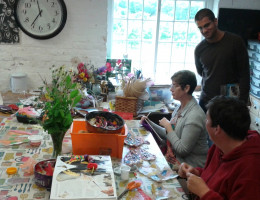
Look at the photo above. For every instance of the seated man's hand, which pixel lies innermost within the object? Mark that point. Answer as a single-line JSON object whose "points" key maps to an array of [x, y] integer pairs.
{"points": [[184, 169], [196, 185]]}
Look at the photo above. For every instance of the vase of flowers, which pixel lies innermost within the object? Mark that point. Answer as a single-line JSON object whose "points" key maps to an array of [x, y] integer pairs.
{"points": [[85, 75], [60, 96], [105, 71]]}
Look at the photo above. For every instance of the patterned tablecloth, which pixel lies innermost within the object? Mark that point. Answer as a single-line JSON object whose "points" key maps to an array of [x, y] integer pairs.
{"points": [[22, 186]]}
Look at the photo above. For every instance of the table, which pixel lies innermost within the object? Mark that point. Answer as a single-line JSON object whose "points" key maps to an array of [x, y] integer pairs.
{"points": [[22, 185]]}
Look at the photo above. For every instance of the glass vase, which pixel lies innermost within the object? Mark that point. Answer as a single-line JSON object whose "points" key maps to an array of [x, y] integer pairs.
{"points": [[88, 85], [96, 89], [57, 139]]}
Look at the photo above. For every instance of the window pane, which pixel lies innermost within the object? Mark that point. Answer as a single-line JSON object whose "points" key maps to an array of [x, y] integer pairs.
{"points": [[120, 9], [178, 52], [147, 52], [167, 10], [195, 7], [193, 33], [119, 29], [150, 9], [164, 52], [165, 32], [134, 29], [190, 52], [182, 10], [191, 67], [135, 9], [147, 69], [120, 47], [180, 31], [133, 49], [149, 30], [162, 74], [176, 67]]}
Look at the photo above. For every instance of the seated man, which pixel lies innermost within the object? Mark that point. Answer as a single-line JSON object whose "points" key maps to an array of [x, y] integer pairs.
{"points": [[232, 167]]}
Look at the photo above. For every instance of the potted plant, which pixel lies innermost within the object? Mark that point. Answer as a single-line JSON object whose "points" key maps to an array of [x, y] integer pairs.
{"points": [[60, 96]]}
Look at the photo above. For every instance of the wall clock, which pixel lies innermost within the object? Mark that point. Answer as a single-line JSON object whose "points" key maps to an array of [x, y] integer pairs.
{"points": [[40, 19]]}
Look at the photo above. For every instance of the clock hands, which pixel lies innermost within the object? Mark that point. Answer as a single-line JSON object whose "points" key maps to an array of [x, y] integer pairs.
{"points": [[36, 18], [40, 13], [39, 8]]}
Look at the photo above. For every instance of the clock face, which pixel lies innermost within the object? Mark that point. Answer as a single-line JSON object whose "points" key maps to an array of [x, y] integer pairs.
{"points": [[41, 19]]}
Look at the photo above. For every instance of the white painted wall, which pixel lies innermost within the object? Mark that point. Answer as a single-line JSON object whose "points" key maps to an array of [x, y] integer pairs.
{"points": [[242, 4], [84, 36]]}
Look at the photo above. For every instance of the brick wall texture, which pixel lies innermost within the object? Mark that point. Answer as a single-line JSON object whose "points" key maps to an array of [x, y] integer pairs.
{"points": [[84, 36]]}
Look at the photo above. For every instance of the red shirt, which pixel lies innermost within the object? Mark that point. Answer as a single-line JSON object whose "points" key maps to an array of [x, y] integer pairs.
{"points": [[234, 176]]}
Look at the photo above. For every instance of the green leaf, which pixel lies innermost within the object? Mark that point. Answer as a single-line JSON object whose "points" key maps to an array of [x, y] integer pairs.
{"points": [[74, 93], [76, 100], [56, 113], [73, 85], [62, 113], [68, 82]]}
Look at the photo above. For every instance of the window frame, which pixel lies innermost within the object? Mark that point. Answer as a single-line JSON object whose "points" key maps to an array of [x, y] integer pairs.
{"points": [[211, 4]]}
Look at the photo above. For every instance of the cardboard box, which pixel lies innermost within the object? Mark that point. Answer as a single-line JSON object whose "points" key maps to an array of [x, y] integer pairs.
{"points": [[96, 143]]}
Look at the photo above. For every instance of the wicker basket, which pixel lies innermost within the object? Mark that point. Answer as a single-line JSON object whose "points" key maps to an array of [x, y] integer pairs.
{"points": [[128, 105]]}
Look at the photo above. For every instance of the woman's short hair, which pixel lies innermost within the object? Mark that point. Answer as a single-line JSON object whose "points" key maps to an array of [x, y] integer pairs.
{"points": [[231, 114], [205, 12], [185, 77]]}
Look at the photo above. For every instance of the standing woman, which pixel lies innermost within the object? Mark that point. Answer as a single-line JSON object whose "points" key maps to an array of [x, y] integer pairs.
{"points": [[185, 130]]}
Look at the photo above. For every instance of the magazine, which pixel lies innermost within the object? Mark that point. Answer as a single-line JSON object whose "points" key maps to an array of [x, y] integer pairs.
{"points": [[73, 180]]}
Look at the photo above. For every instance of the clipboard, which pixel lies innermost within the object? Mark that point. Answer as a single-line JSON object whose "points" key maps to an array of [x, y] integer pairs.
{"points": [[163, 142]]}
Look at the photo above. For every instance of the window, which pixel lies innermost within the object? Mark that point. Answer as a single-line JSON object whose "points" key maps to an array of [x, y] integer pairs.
{"points": [[159, 36]]}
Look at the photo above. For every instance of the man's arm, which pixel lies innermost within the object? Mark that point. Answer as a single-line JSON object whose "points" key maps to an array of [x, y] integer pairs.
{"points": [[198, 63], [242, 62]]}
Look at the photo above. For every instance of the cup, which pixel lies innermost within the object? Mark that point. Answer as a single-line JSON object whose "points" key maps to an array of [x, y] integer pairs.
{"points": [[125, 170], [35, 140]]}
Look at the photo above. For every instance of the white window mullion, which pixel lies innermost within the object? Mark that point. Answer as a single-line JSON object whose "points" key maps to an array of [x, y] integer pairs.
{"points": [[110, 22], [173, 24], [127, 22], [187, 33], [157, 36], [141, 39]]}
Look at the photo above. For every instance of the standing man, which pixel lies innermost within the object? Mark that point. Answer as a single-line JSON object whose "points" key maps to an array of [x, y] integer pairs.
{"points": [[221, 59]]}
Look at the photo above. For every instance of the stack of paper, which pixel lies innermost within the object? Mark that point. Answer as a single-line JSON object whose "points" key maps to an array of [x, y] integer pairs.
{"points": [[72, 180]]}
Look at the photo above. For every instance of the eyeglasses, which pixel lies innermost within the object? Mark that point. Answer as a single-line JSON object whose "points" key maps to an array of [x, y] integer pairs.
{"points": [[174, 86]]}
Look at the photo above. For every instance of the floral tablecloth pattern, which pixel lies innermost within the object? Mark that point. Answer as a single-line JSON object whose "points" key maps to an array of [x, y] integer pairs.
{"points": [[22, 186]]}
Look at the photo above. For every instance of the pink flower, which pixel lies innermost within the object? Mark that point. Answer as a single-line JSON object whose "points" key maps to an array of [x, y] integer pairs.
{"points": [[108, 65], [130, 75], [110, 69], [118, 62], [80, 67]]}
